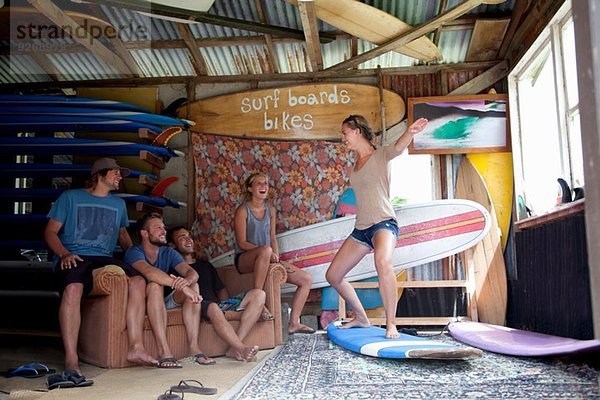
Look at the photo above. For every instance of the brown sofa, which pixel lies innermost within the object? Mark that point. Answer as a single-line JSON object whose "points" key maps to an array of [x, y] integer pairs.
{"points": [[103, 335]]}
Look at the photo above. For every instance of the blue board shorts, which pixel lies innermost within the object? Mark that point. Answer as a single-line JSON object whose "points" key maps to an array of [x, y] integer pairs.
{"points": [[365, 236]]}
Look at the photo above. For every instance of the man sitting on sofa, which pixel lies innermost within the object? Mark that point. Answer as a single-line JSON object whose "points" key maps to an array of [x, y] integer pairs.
{"points": [[83, 229], [157, 262], [216, 301]]}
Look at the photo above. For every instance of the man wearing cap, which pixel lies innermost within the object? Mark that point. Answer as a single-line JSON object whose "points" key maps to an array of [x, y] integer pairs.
{"points": [[83, 229]]}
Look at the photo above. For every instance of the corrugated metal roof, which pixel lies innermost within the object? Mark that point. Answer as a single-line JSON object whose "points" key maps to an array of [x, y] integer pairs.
{"points": [[454, 45], [291, 55], [82, 66], [163, 62], [21, 69]]}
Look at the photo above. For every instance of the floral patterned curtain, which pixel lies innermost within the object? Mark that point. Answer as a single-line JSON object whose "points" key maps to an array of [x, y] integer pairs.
{"points": [[307, 179]]}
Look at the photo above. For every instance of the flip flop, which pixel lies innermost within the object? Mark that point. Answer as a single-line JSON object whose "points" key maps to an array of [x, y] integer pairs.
{"points": [[163, 361], [78, 379], [33, 370], [169, 395], [58, 381], [202, 355], [185, 387]]}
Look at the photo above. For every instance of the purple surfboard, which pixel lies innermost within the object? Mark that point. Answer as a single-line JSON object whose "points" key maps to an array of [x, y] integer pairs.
{"points": [[515, 342]]}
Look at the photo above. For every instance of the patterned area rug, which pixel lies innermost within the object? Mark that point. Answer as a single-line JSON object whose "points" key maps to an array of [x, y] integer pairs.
{"points": [[311, 367]]}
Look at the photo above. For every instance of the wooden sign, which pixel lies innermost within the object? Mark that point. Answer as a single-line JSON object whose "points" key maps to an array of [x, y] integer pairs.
{"points": [[293, 113]]}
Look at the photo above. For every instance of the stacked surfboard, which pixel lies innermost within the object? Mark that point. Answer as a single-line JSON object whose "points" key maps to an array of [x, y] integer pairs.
{"points": [[65, 135]]}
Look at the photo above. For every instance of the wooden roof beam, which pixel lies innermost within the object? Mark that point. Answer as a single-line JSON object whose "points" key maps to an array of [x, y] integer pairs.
{"points": [[119, 46], [197, 16], [46, 65], [268, 38], [56, 15], [301, 76], [190, 42], [438, 31], [308, 15], [519, 11], [414, 33], [483, 81]]}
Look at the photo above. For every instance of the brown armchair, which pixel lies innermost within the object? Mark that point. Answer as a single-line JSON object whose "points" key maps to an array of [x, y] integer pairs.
{"points": [[103, 334]]}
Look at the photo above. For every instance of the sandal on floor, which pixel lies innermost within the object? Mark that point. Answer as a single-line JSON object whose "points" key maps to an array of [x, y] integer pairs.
{"points": [[68, 379], [169, 395], [172, 360], [185, 387], [202, 355], [33, 370]]}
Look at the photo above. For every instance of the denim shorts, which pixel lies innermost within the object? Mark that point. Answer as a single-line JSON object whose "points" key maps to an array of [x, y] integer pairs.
{"points": [[170, 301], [365, 236]]}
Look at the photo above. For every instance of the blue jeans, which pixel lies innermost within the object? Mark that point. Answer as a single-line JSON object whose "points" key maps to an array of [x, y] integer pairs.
{"points": [[365, 236]]}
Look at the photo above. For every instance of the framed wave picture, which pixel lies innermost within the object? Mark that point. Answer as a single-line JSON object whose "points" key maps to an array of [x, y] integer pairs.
{"points": [[460, 124]]}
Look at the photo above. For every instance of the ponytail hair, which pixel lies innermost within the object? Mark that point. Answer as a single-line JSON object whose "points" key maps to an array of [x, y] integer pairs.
{"points": [[359, 122]]}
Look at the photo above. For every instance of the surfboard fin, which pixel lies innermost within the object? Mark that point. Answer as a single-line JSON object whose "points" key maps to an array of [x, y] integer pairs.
{"points": [[163, 138], [565, 192]]}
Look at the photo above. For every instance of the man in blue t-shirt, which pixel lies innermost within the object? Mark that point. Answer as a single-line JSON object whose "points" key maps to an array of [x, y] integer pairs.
{"points": [[157, 263], [83, 229], [216, 300]]}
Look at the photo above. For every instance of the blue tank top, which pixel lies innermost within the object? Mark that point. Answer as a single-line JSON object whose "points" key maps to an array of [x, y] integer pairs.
{"points": [[258, 231]]}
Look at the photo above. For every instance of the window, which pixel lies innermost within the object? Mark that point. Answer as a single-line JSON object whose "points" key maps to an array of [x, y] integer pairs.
{"points": [[412, 179], [545, 123]]}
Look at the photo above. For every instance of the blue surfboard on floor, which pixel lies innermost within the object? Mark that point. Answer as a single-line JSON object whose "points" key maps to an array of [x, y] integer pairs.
{"points": [[70, 101], [44, 146], [61, 123], [80, 113], [49, 169], [371, 341]]}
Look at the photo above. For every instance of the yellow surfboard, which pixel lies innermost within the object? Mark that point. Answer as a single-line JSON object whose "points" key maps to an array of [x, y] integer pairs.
{"points": [[488, 262], [496, 169]]}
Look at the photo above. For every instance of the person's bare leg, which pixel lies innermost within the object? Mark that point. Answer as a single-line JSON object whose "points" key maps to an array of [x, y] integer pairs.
{"points": [[191, 321], [69, 316], [346, 258], [157, 314], [303, 280], [384, 242], [136, 310], [257, 261], [253, 303], [223, 328]]}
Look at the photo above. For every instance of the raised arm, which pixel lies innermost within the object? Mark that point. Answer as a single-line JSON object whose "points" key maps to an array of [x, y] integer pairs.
{"points": [[407, 137]]}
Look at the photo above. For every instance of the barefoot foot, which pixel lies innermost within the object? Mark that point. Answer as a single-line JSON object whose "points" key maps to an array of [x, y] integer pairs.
{"points": [[140, 357], [246, 353], [391, 332], [299, 328], [355, 323]]}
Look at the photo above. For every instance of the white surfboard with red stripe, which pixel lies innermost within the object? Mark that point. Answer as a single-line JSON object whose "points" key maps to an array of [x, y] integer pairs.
{"points": [[428, 232]]}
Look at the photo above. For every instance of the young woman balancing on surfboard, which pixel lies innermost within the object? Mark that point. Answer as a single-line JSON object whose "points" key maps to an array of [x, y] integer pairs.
{"points": [[376, 227], [256, 246]]}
